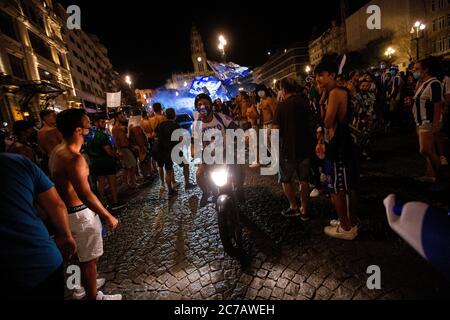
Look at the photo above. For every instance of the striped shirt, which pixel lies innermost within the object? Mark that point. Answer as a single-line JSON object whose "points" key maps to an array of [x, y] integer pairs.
{"points": [[429, 93]]}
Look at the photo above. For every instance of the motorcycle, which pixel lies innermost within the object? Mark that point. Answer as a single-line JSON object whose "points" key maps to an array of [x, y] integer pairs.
{"points": [[225, 189]]}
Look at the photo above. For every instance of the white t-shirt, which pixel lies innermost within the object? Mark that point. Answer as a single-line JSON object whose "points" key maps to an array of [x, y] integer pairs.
{"points": [[219, 122]]}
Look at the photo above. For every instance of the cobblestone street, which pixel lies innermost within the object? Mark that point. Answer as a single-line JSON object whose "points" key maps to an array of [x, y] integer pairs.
{"points": [[170, 249]]}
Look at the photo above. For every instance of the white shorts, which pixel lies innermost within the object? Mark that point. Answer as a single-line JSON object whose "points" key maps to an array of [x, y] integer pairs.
{"points": [[86, 229]]}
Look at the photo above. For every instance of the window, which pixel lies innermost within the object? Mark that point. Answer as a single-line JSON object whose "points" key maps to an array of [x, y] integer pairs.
{"points": [[79, 70], [441, 4], [33, 13], [46, 76], [83, 85], [71, 39], [85, 73], [17, 68], [7, 26], [433, 5], [39, 46], [76, 55], [441, 23], [61, 60], [434, 25], [440, 46]]}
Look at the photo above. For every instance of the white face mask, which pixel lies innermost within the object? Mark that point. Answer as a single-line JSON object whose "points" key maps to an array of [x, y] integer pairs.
{"points": [[262, 94]]}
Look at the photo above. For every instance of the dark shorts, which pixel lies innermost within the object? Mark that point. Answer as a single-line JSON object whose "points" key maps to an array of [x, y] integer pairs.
{"points": [[104, 167], [288, 168], [342, 175], [165, 160]]}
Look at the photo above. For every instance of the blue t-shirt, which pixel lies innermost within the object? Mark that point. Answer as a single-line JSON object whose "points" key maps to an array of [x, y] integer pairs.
{"points": [[28, 255]]}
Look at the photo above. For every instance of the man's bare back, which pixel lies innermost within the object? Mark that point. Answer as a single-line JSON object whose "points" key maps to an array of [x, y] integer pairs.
{"points": [[62, 162], [49, 138]]}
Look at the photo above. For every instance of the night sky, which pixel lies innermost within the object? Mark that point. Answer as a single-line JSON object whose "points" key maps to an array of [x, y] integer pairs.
{"points": [[150, 43]]}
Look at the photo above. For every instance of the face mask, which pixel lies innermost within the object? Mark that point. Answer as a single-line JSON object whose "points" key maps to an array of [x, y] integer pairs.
{"points": [[417, 75], [261, 94], [204, 110]]}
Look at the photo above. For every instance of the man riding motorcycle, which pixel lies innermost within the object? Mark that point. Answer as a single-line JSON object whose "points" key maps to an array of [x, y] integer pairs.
{"points": [[210, 120]]}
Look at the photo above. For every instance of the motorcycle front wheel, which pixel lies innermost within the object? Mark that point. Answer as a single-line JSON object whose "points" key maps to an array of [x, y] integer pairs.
{"points": [[230, 230]]}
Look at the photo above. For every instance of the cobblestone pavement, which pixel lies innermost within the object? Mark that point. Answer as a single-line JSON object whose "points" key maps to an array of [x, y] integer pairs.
{"points": [[170, 249]]}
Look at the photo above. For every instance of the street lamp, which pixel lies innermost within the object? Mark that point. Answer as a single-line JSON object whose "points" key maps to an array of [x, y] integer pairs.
{"points": [[308, 69], [128, 81], [418, 26], [389, 52], [221, 46]]}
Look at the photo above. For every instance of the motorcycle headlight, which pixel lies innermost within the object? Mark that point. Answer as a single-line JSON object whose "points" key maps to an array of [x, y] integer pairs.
{"points": [[220, 177]]}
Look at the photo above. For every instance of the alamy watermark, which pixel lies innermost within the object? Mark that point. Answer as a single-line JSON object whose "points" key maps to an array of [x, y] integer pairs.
{"points": [[74, 19], [374, 20], [212, 147], [374, 280]]}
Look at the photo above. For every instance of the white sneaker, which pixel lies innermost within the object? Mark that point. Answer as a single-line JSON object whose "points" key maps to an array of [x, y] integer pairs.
{"points": [[80, 293], [254, 165], [101, 296], [335, 223], [339, 233], [314, 193], [444, 161]]}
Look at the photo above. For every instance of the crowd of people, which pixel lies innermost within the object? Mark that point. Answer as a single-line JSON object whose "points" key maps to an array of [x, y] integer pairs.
{"points": [[63, 180]]}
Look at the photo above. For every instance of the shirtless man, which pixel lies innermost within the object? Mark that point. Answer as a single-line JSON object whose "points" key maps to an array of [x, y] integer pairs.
{"points": [[342, 154], [48, 136], [146, 126], [123, 145], [70, 171], [154, 122], [267, 106]]}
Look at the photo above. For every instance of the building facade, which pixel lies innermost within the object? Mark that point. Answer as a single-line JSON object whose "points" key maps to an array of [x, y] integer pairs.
{"points": [[290, 62], [397, 19], [438, 33], [91, 69], [333, 40], [33, 50]]}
